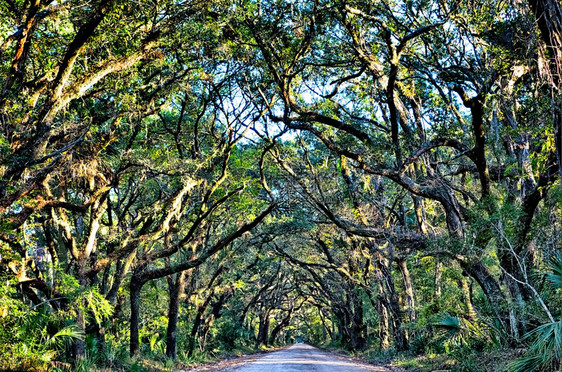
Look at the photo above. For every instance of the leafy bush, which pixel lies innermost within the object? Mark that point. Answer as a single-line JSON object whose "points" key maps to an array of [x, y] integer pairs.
{"points": [[30, 338]]}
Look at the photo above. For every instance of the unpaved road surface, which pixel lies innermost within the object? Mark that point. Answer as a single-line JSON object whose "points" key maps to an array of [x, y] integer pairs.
{"points": [[304, 358]]}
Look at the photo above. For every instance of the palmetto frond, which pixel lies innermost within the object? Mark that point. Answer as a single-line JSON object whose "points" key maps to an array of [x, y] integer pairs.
{"points": [[555, 276], [544, 351], [64, 336]]}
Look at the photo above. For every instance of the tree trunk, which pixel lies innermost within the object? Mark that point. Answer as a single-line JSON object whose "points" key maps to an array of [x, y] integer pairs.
{"points": [[135, 290], [358, 341], [467, 298], [516, 292], [392, 304], [204, 332], [490, 287], [438, 275], [476, 269], [282, 324], [79, 345], [122, 268], [343, 326], [384, 321], [196, 325], [409, 288], [215, 314], [263, 330], [396, 321], [175, 288]]}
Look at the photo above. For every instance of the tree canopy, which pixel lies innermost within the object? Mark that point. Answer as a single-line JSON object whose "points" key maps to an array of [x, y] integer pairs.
{"points": [[179, 178]]}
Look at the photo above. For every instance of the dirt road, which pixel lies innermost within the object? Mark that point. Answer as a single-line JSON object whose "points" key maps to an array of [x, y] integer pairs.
{"points": [[304, 358]]}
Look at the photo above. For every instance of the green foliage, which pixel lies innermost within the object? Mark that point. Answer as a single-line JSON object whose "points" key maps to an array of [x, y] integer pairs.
{"points": [[225, 333], [545, 346], [555, 275], [139, 137], [457, 333], [63, 338], [31, 339], [88, 362], [544, 351]]}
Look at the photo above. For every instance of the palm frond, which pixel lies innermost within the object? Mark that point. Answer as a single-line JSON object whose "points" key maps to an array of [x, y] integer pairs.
{"points": [[544, 351], [65, 335], [531, 363], [555, 276], [448, 322], [547, 339]]}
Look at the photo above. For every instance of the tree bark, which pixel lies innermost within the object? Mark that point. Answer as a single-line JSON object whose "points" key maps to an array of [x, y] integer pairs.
{"points": [[282, 324], [214, 315], [358, 327], [263, 330], [384, 321], [490, 287], [79, 345], [392, 304], [467, 298], [438, 275], [409, 289], [196, 324], [176, 288], [135, 290]]}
